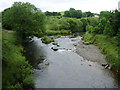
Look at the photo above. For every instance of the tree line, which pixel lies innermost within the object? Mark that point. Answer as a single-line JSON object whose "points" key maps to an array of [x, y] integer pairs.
{"points": [[27, 20], [32, 21], [72, 13]]}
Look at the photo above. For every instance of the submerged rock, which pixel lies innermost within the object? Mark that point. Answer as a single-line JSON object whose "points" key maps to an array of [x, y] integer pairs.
{"points": [[75, 44], [55, 48]]}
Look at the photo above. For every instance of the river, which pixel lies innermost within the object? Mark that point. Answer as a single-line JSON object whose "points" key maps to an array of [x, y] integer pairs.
{"points": [[65, 68]]}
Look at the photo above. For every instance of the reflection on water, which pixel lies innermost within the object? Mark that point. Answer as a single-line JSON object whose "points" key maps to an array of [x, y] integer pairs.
{"points": [[66, 69]]}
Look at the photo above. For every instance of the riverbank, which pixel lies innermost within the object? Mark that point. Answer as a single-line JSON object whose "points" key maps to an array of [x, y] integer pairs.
{"points": [[96, 50], [90, 52], [107, 46], [65, 68], [16, 71]]}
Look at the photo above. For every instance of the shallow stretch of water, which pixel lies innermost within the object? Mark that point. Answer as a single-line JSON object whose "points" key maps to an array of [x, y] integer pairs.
{"points": [[65, 68]]}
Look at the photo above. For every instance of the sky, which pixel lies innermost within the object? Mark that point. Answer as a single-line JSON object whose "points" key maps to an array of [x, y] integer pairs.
{"points": [[94, 6]]}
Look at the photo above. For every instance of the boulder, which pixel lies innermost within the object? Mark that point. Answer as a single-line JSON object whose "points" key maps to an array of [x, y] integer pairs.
{"points": [[55, 48]]}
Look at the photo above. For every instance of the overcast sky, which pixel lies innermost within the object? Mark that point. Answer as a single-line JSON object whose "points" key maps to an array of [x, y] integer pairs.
{"points": [[94, 6]]}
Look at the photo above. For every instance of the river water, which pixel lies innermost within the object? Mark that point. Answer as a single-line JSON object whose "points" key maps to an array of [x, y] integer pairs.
{"points": [[65, 68]]}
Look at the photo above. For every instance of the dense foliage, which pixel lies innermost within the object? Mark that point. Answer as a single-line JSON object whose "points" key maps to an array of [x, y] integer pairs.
{"points": [[25, 19], [105, 32], [87, 14], [63, 25], [47, 13], [47, 40], [16, 71], [73, 13], [108, 23]]}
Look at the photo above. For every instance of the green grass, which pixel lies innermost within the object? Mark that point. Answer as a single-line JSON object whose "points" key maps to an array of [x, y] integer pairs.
{"points": [[55, 43], [47, 40], [58, 36], [17, 72], [109, 49], [57, 32], [108, 46], [88, 38], [62, 13]]}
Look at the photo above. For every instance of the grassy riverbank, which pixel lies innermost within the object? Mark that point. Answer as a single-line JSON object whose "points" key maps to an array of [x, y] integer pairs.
{"points": [[107, 46], [17, 72]]}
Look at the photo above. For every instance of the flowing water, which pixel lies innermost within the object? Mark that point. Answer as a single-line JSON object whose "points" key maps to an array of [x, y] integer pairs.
{"points": [[65, 68]]}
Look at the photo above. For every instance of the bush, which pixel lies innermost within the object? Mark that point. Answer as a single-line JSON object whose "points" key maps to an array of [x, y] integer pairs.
{"points": [[88, 38], [60, 32], [28, 82], [107, 45], [58, 36], [14, 65], [55, 43], [47, 40]]}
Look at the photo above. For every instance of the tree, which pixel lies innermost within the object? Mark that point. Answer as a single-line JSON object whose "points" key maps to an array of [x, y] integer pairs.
{"points": [[108, 29], [75, 25], [84, 14], [98, 29], [115, 22], [92, 21], [25, 19], [6, 19], [89, 14], [89, 28], [105, 14], [64, 25], [71, 9], [47, 13], [84, 21], [73, 13], [66, 14]]}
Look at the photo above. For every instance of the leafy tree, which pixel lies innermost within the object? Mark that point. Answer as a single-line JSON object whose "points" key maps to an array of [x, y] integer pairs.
{"points": [[73, 13], [6, 19], [105, 14], [115, 22], [71, 9], [84, 21], [84, 14], [98, 29], [92, 21], [64, 24], [47, 13], [89, 14], [25, 19], [89, 28], [75, 25], [108, 29]]}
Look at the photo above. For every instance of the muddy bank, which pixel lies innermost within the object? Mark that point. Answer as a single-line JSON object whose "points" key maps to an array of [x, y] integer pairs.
{"points": [[90, 52]]}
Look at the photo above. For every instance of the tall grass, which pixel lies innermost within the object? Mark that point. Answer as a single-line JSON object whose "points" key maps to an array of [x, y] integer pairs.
{"points": [[17, 72], [58, 32], [108, 46]]}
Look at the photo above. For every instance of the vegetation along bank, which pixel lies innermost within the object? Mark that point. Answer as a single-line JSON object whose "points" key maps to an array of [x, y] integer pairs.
{"points": [[101, 29]]}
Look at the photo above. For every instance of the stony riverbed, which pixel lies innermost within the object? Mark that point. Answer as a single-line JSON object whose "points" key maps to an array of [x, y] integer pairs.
{"points": [[65, 68]]}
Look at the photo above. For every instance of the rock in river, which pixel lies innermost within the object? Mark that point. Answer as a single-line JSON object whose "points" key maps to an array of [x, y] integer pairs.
{"points": [[55, 48]]}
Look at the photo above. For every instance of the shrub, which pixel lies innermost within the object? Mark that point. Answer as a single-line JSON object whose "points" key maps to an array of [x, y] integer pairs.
{"points": [[47, 40], [14, 65], [58, 36], [28, 82]]}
